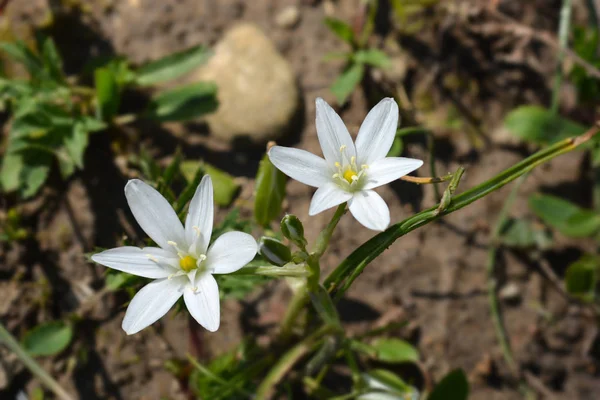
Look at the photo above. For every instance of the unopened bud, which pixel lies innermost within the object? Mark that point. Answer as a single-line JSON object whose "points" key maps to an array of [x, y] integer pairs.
{"points": [[292, 228], [274, 251]]}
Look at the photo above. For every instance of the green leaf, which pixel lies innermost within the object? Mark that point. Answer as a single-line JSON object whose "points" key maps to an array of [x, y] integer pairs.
{"points": [[568, 218], [581, 277], [341, 29], [373, 57], [22, 54], [384, 379], [172, 66], [522, 233], [270, 192], [34, 173], [540, 126], [453, 386], [397, 147], [48, 339], [107, 93], [345, 84], [184, 103], [394, 350], [12, 165], [324, 305], [225, 186], [52, 59], [76, 143]]}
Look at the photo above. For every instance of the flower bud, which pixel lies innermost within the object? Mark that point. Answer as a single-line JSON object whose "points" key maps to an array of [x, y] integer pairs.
{"points": [[292, 228], [274, 251]]}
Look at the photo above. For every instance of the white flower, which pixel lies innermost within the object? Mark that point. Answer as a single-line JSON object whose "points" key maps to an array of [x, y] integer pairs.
{"points": [[183, 265], [349, 170]]}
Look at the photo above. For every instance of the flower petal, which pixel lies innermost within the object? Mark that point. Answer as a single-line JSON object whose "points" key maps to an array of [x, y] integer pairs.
{"points": [[300, 165], [230, 252], [136, 261], [332, 133], [152, 302], [154, 214], [377, 132], [199, 221], [326, 197], [370, 210], [389, 169], [203, 304]]}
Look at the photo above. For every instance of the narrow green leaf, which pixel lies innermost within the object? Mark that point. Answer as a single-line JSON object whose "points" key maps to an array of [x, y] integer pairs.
{"points": [[581, 277], [540, 126], [387, 380], [394, 350], [48, 339], [184, 103], [341, 29], [373, 57], [33, 175], [345, 84], [52, 60], [568, 218], [172, 66], [107, 93], [453, 386], [270, 192]]}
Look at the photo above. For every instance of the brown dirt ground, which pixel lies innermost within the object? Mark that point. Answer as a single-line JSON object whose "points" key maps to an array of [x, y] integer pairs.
{"points": [[434, 278]]}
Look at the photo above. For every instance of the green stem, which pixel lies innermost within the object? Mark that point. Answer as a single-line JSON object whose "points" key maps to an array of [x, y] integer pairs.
{"points": [[297, 304], [325, 235], [345, 273], [492, 284], [32, 365], [293, 270], [288, 360], [563, 38]]}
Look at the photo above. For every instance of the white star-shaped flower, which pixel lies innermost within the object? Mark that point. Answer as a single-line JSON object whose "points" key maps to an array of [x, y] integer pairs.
{"points": [[350, 170], [184, 264]]}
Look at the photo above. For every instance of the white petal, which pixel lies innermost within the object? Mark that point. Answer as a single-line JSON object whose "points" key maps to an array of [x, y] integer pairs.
{"points": [[203, 304], [332, 133], [154, 214], [152, 302], [389, 169], [199, 221], [230, 252], [377, 132], [135, 261], [326, 197], [300, 165], [370, 210]]}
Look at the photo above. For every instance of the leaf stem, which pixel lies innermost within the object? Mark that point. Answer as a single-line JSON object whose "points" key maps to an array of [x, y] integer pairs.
{"points": [[563, 38], [325, 235], [32, 365], [289, 270]]}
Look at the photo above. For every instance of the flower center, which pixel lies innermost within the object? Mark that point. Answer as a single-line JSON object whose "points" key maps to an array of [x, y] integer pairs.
{"points": [[187, 263], [348, 175]]}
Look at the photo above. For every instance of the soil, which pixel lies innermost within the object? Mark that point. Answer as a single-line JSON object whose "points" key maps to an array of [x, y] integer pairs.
{"points": [[464, 63]]}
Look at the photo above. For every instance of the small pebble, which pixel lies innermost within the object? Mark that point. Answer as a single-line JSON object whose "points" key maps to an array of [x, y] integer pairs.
{"points": [[288, 17], [510, 292]]}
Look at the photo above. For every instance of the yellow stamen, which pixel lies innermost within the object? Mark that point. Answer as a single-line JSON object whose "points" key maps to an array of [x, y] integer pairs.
{"points": [[349, 175], [187, 263]]}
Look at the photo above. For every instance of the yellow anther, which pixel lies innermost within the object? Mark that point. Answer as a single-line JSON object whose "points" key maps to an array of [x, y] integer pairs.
{"points": [[151, 257], [350, 176], [187, 263], [353, 160], [342, 148], [337, 164], [364, 166], [335, 176], [195, 228]]}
